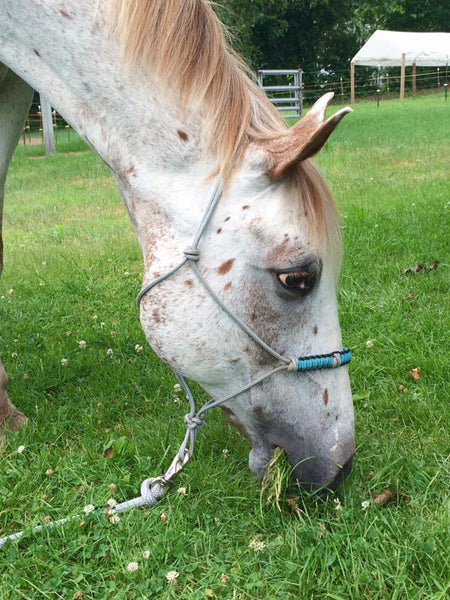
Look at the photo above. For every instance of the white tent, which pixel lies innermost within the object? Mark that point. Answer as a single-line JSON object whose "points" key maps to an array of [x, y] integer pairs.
{"points": [[402, 48]]}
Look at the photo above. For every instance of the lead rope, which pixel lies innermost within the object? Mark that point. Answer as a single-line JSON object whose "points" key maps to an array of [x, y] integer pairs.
{"points": [[154, 488]]}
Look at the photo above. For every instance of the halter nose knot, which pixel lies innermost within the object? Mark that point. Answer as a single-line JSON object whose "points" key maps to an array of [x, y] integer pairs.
{"points": [[192, 254], [193, 421], [293, 364]]}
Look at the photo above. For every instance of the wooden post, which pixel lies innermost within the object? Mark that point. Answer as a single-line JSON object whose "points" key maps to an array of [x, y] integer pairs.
{"points": [[402, 77], [414, 78], [47, 126], [352, 83]]}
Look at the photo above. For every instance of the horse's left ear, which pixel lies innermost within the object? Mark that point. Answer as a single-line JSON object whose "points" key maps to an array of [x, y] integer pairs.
{"points": [[304, 139]]}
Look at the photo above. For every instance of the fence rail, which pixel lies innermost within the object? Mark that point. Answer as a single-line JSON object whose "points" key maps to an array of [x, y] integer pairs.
{"points": [[290, 98]]}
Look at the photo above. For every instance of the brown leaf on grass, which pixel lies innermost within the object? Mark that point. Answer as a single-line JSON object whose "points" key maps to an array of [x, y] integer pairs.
{"points": [[109, 452], [421, 267], [80, 490], [415, 373], [410, 297], [387, 496]]}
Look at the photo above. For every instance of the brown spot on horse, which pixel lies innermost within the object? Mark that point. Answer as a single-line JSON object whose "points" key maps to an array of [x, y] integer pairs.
{"points": [[225, 267], [182, 135]]}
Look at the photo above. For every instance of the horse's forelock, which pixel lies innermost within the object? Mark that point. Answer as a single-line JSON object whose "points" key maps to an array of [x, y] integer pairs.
{"points": [[306, 184]]}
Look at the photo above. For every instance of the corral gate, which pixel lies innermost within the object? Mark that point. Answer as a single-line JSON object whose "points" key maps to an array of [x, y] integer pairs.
{"points": [[287, 98]]}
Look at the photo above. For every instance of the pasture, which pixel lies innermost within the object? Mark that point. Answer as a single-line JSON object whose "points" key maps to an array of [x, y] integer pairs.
{"points": [[105, 416]]}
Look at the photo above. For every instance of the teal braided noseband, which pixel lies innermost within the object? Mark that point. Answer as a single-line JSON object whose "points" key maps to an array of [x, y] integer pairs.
{"points": [[325, 361]]}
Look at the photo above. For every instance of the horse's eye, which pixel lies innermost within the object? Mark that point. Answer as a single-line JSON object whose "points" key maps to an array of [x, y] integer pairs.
{"points": [[296, 281]]}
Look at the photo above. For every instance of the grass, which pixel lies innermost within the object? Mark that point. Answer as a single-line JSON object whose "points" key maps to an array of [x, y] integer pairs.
{"points": [[75, 277]]}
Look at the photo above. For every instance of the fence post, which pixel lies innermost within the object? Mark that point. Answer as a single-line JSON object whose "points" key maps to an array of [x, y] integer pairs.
{"points": [[402, 77], [300, 83], [414, 78], [47, 126], [352, 83]]}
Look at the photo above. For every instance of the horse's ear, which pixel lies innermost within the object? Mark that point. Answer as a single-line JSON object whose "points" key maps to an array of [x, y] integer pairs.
{"points": [[304, 139]]}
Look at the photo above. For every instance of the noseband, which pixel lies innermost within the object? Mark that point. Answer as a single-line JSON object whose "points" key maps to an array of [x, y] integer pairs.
{"points": [[195, 419]]}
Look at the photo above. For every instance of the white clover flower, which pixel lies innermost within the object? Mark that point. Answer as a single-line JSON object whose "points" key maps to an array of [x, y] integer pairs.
{"points": [[177, 388], [49, 472], [89, 508], [109, 352], [111, 503], [20, 449], [138, 348], [146, 554], [132, 567], [42, 284], [182, 491], [64, 362], [369, 344], [126, 274], [95, 317], [11, 292], [114, 519], [338, 504], [82, 344], [257, 545], [172, 577], [102, 324], [14, 355], [365, 504]]}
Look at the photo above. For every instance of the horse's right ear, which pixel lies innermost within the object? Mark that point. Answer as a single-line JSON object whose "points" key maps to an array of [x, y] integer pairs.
{"points": [[304, 139]]}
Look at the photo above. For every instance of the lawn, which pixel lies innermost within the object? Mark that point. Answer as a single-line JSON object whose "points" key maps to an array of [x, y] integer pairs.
{"points": [[106, 416]]}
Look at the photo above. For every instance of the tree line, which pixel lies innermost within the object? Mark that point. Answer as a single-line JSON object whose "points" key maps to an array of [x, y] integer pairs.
{"points": [[320, 35]]}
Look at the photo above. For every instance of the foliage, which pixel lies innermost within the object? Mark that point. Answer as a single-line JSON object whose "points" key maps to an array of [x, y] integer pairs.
{"points": [[321, 34], [67, 270]]}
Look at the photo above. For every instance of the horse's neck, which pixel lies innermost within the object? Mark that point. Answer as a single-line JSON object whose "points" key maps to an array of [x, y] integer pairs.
{"points": [[137, 129]]}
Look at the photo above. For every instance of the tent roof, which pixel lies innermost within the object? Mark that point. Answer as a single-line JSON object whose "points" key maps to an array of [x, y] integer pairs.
{"points": [[385, 48]]}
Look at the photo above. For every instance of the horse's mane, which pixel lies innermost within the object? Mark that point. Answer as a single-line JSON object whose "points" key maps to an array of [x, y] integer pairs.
{"points": [[183, 43]]}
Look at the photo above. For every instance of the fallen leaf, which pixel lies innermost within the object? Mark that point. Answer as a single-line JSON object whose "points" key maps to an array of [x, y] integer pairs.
{"points": [[383, 497], [109, 452], [416, 373], [434, 266], [410, 297], [387, 496]]}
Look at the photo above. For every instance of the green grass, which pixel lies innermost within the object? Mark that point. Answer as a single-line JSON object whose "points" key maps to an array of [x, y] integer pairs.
{"points": [[72, 271]]}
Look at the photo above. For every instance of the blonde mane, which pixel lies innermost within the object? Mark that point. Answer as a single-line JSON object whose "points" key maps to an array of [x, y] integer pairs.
{"points": [[183, 44]]}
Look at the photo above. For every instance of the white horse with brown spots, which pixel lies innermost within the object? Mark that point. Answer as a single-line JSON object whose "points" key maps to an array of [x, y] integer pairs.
{"points": [[272, 249]]}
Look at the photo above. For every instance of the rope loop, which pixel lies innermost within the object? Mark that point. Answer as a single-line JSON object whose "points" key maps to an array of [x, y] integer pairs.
{"points": [[193, 421], [192, 254]]}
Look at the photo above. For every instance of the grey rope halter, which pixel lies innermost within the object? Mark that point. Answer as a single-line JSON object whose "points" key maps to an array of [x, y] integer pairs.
{"points": [[154, 488]]}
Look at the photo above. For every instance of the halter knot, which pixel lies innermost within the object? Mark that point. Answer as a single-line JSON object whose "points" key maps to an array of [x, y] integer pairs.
{"points": [[192, 254], [292, 365], [194, 421]]}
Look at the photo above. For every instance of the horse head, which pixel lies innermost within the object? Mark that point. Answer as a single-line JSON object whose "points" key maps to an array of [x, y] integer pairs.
{"points": [[271, 252]]}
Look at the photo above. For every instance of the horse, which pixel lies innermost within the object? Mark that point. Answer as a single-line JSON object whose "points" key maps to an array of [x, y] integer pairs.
{"points": [[155, 89]]}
